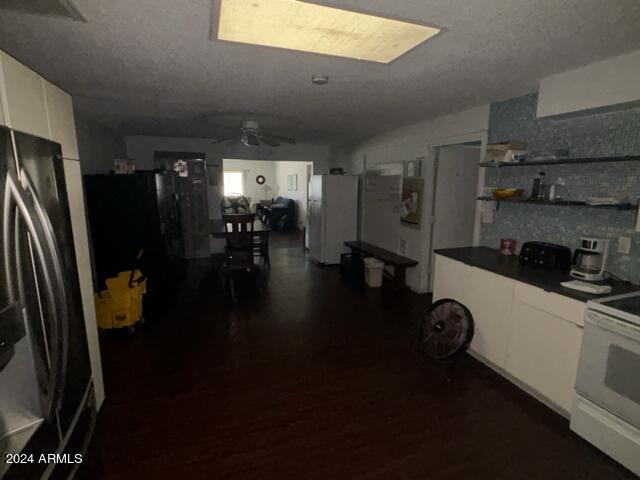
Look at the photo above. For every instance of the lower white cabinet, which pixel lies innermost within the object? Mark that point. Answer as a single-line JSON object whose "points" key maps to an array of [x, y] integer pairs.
{"points": [[489, 299], [488, 296], [532, 335], [450, 279], [543, 352]]}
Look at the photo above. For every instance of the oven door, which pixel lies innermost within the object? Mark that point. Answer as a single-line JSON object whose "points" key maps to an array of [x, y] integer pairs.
{"points": [[609, 365]]}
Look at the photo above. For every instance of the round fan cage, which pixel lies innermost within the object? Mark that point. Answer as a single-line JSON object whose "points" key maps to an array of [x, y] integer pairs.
{"points": [[447, 330]]}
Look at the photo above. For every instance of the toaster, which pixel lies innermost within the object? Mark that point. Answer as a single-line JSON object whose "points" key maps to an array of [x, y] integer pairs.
{"points": [[545, 255]]}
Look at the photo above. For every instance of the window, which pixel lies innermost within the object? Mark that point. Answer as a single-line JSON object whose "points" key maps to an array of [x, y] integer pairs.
{"points": [[234, 183]]}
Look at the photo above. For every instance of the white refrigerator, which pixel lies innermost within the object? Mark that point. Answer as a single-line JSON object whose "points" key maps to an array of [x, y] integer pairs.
{"points": [[333, 216]]}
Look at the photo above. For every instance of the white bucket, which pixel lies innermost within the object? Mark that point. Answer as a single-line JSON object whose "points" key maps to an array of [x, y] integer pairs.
{"points": [[373, 269]]}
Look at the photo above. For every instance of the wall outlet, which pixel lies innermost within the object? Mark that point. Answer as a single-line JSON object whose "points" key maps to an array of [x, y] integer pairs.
{"points": [[624, 245]]}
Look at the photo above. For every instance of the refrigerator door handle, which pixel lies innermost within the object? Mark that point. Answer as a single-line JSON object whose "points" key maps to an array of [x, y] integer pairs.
{"points": [[18, 201], [59, 287]]}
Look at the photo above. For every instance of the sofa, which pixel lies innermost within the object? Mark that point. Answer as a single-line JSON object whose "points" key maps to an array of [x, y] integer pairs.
{"points": [[281, 214]]}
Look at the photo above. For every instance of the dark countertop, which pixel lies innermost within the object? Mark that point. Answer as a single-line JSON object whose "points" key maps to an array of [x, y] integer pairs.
{"points": [[491, 260]]}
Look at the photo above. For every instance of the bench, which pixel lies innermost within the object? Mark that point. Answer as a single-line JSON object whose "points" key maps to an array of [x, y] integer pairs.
{"points": [[398, 262]]}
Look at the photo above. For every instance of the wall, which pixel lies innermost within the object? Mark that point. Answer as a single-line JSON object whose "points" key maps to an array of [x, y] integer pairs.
{"points": [[97, 145], [275, 173], [282, 171], [143, 148], [604, 134], [410, 142], [251, 169]]}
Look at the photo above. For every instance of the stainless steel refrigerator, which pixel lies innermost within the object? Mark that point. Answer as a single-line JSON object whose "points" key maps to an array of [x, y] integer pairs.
{"points": [[46, 392]]}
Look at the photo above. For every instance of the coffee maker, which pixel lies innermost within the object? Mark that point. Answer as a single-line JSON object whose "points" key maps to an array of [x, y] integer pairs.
{"points": [[590, 258]]}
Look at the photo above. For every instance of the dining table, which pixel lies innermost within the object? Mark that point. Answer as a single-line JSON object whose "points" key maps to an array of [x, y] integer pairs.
{"points": [[218, 230]]}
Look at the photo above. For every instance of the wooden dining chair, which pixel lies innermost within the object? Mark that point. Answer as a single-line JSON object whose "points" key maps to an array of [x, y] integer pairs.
{"points": [[239, 250], [261, 249]]}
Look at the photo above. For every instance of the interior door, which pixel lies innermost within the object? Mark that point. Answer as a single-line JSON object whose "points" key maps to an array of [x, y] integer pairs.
{"points": [[455, 198]]}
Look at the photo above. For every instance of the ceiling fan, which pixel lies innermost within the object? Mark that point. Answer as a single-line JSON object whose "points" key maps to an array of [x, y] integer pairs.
{"points": [[252, 137]]}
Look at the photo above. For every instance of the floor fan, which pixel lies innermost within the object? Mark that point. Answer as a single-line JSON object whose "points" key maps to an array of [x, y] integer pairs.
{"points": [[446, 331]]}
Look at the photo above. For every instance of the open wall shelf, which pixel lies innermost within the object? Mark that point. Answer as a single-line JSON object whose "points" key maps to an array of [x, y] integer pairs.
{"points": [[561, 161], [560, 203]]}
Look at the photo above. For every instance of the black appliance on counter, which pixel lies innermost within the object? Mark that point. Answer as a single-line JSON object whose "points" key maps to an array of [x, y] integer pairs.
{"points": [[548, 256], [133, 212]]}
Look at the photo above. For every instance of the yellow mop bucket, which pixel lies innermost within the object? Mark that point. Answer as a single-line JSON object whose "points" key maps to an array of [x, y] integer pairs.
{"points": [[120, 305]]}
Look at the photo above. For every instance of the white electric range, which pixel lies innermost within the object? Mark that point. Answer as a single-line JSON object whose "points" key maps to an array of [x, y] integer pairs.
{"points": [[606, 409]]}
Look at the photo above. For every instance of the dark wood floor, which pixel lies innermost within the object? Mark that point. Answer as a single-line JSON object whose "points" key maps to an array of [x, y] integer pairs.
{"points": [[314, 380]]}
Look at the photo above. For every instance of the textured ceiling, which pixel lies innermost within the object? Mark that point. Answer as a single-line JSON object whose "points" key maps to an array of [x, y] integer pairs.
{"points": [[148, 67]]}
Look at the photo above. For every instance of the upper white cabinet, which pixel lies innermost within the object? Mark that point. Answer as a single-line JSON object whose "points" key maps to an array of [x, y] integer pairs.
{"points": [[61, 121], [23, 98], [610, 83], [31, 104]]}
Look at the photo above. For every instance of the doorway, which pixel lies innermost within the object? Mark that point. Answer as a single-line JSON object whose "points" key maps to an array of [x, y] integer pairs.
{"points": [[454, 197], [264, 181]]}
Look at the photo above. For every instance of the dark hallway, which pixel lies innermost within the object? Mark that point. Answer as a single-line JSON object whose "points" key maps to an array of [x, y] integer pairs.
{"points": [[314, 379]]}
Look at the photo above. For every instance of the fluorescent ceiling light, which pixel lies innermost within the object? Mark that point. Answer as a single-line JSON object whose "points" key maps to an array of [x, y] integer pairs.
{"points": [[309, 27]]}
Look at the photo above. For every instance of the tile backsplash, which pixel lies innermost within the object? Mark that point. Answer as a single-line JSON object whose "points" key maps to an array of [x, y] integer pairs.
{"points": [[605, 134]]}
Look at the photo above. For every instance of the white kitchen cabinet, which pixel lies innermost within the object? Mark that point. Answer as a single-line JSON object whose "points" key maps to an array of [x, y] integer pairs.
{"points": [[23, 98], [543, 353], [489, 298], [524, 332], [553, 303], [62, 127], [75, 192], [450, 279]]}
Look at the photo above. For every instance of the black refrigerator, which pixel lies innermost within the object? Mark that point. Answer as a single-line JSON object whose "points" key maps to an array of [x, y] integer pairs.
{"points": [[46, 391], [133, 212]]}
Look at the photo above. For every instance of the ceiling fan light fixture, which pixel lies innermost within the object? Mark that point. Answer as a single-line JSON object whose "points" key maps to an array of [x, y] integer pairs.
{"points": [[310, 27], [250, 140], [319, 79]]}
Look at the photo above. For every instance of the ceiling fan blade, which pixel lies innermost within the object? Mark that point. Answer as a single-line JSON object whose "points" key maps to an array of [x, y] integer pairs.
{"points": [[278, 137], [268, 141], [233, 139]]}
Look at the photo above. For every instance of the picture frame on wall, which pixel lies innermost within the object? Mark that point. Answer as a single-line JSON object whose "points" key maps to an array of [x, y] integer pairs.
{"points": [[294, 182], [411, 204]]}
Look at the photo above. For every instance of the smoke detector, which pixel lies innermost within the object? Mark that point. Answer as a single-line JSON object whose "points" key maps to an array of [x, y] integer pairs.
{"points": [[46, 8], [319, 79]]}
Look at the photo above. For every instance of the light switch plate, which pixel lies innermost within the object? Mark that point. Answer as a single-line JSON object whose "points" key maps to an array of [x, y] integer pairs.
{"points": [[624, 245], [487, 214]]}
